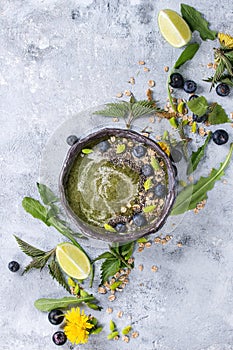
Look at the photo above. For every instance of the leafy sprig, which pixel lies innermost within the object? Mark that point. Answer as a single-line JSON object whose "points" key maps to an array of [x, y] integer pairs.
{"points": [[196, 21], [191, 195], [129, 111], [116, 258]]}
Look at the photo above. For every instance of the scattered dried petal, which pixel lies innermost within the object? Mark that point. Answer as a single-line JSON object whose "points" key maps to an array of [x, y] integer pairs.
{"points": [[146, 69], [119, 94], [166, 69], [141, 63], [109, 310], [132, 81], [111, 297], [148, 244], [135, 334], [151, 83], [120, 314], [102, 290], [125, 338], [127, 93], [154, 268], [140, 267]]}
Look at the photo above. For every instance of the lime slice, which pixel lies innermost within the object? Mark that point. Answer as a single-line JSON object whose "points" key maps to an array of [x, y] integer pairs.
{"points": [[73, 261], [174, 28]]}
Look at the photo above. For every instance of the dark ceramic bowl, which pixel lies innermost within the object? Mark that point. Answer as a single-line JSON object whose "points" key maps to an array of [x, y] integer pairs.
{"points": [[97, 232]]}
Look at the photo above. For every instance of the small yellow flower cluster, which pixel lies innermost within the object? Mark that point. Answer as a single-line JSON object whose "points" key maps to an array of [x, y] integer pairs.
{"points": [[77, 326]]}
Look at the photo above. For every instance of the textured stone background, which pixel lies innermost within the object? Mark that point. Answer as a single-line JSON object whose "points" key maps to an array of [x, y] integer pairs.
{"points": [[54, 66]]}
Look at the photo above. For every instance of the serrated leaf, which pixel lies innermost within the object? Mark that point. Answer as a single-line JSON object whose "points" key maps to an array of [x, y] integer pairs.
{"points": [[38, 262], [198, 105], [57, 274], [196, 21], [126, 250], [106, 255], [108, 268], [119, 110], [142, 108], [149, 208], [188, 53], [218, 73], [47, 195], [197, 156], [148, 184], [36, 209], [120, 148], [217, 115], [29, 249], [109, 228], [48, 304], [87, 151], [227, 81], [154, 163], [188, 198]]}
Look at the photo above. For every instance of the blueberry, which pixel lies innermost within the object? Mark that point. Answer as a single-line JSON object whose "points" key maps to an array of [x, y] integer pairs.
{"points": [[139, 220], [71, 140], [55, 316], [120, 227], [160, 190], [202, 119], [220, 137], [139, 151], [176, 155], [147, 170], [176, 80], [103, 146], [190, 86], [59, 338], [13, 266], [223, 89], [193, 97]]}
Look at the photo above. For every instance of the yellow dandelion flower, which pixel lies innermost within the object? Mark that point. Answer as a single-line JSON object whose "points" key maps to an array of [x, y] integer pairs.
{"points": [[165, 148], [77, 326]]}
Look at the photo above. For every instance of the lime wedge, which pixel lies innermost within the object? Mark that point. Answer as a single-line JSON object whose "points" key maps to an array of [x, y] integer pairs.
{"points": [[174, 28], [73, 261]]}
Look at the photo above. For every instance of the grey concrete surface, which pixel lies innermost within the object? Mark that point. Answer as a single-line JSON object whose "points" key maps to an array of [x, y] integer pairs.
{"points": [[54, 66]]}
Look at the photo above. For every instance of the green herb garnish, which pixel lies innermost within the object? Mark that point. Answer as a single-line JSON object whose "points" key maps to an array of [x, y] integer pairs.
{"points": [[196, 21], [188, 198], [197, 156]]}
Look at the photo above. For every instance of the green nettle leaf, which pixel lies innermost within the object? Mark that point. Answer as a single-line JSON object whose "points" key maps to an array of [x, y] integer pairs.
{"points": [[57, 274], [188, 198], [120, 148], [87, 151], [197, 156], [109, 228], [39, 262], [227, 81], [218, 115], [108, 268], [36, 209], [47, 196], [49, 304], [141, 108], [149, 208], [196, 21], [147, 184], [188, 53], [198, 105], [106, 255], [29, 249], [119, 110], [126, 250]]}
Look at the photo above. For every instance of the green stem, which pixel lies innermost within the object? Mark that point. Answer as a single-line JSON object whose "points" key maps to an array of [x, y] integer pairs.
{"points": [[169, 92]]}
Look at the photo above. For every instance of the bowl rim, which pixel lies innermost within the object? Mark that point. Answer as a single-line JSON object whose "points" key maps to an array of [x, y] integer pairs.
{"points": [[112, 237]]}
